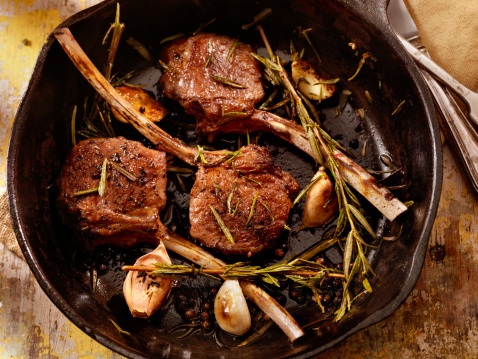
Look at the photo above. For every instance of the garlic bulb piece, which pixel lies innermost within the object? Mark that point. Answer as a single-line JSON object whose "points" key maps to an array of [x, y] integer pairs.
{"points": [[313, 85], [145, 294], [230, 308], [141, 101], [321, 202]]}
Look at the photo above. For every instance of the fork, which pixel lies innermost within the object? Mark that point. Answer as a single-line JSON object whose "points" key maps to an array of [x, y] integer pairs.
{"points": [[469, 97]]}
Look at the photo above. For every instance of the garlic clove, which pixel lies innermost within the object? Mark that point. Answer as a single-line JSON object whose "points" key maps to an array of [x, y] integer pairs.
{"points": [[231, 310], [310, 83], [321, 203], [145, 294], [141, 101]]}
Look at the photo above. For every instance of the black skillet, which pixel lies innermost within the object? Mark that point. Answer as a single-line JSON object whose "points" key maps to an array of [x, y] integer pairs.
{"points": [[40, 141]]}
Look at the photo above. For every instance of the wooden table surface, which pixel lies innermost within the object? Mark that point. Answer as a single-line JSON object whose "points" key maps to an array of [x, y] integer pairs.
{"points": [[438, 320]]}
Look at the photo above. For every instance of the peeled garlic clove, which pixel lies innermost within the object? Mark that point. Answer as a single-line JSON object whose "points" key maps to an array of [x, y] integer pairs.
{"points": [[141, 101], [321, 202], [310, 83], [230, 308], [145, 294]]}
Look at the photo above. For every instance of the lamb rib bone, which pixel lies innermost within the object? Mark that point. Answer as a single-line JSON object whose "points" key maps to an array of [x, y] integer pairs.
{"points": [[173, 242], [356, 176]]}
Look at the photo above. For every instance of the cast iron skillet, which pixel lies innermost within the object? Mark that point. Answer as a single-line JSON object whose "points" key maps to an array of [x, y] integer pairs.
{"points": [[40, 141]]}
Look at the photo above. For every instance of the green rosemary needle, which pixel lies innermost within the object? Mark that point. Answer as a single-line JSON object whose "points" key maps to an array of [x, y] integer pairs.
{"points": [[102, 185], [251, 213], [222, 225]]}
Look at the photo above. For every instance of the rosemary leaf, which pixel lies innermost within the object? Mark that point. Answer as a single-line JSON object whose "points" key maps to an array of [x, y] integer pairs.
{"points": [[119, 328], [231, 51], [361, 62], [229, 198], [366, 284], [102, 185], [140, 49], [252, 180], [268, 210], [252, 208], [172, 38], [210, 59], [228, 82], [399, 108], [222, 225], [85, 191], [362, 221], [349, 244], [218, 193], [256, 19], [237, 206], [202, 26], [306, 189], [73, 126], [306, 37], [124, 172]]}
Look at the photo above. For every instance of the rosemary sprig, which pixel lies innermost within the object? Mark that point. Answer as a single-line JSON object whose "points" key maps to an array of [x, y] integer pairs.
{"points": [[300, 271], [117, 29], [222, 225], [323, 149], [306, 37]]}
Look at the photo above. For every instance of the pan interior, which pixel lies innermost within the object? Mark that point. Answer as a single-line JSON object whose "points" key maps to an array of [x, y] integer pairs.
{"points": [[59, 260]]}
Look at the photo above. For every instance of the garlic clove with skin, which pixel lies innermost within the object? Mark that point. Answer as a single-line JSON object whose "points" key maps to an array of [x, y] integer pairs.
{"points": [[145, 294], [231, 310], [321, 203], [315, 85]]}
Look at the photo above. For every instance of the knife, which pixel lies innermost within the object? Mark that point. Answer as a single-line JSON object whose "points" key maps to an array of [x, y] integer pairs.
{"points": [[458, 130]]}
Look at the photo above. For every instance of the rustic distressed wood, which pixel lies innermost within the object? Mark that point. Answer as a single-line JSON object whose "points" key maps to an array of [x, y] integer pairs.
{"points": [[438, 320]]}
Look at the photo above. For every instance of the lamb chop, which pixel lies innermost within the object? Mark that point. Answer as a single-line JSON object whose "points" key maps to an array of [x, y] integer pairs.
{"points": [[124, 211], [220, 84], [128, 212]]}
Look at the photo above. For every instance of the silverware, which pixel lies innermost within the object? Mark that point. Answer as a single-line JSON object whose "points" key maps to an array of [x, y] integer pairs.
{"points": [[456, 126]]}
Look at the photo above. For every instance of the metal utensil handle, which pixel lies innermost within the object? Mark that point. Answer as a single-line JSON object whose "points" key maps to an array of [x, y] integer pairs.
{"points": [[468, 96], [462, 137]]}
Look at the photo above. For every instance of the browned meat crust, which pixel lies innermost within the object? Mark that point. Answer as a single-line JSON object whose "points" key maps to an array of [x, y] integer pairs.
{"points": [[253, 172], [128, 208], [190, 82]]}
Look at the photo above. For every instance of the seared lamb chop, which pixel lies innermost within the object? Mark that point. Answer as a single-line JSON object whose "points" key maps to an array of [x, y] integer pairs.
{"points": [[251, 194], [191, 64], [127, 211], [128, 208], [195, 68]]}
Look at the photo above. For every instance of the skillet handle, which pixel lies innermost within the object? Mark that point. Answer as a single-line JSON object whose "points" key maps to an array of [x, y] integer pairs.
{"points": [[373, 10]]}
